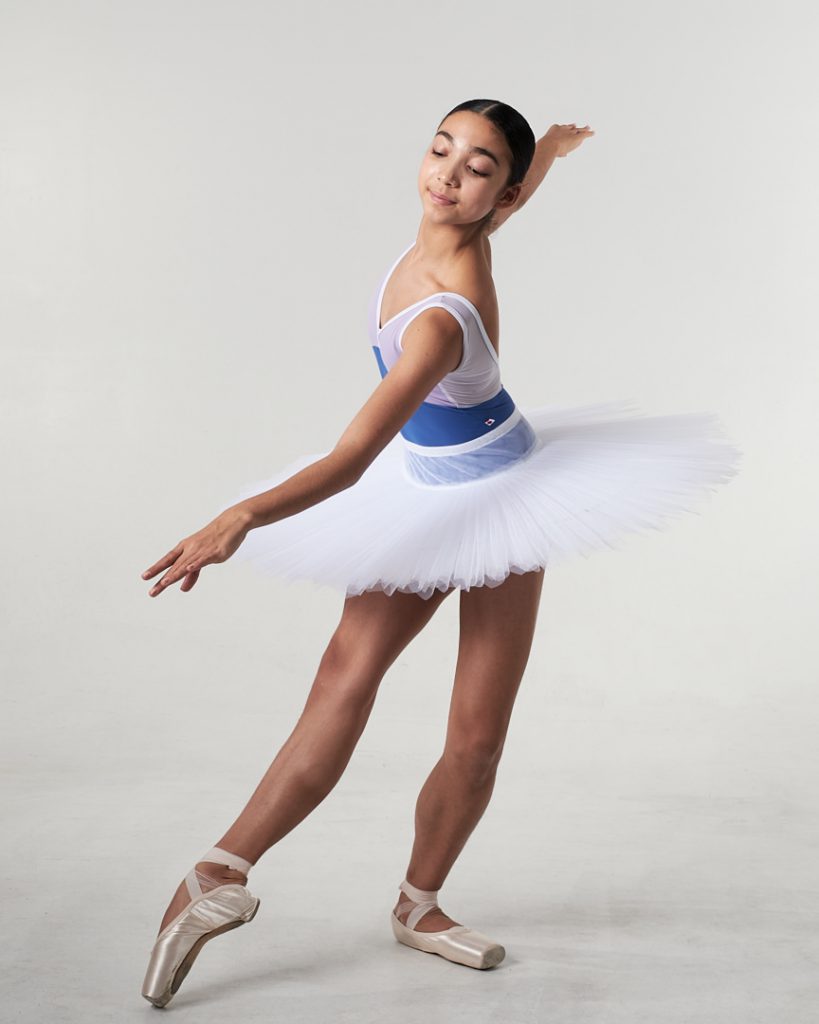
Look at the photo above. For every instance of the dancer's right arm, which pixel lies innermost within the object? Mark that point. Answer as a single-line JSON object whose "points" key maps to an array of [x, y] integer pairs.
{"points": [[432, 346]]}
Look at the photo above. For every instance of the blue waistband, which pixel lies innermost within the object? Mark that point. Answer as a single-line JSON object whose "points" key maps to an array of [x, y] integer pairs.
{"points": [[434, 425]]}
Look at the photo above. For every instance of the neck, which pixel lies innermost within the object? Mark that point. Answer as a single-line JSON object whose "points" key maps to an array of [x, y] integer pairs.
{"points": [[442, 244]]}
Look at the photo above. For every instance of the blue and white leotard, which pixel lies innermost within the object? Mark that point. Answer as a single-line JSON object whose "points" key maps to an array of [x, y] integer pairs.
{"points": [[468, 426]]}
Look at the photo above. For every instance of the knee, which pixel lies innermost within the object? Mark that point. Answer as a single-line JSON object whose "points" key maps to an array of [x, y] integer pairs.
{"points": [[345, 679], [473, 758]]}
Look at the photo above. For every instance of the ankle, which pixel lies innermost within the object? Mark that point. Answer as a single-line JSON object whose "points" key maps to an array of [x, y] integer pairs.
{"points": [[422, 914], [227, 859], [419, 895], [211, 875]]}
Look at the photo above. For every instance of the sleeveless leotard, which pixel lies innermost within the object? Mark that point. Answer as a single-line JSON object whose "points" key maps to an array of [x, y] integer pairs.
{"points": [[468, 411]]}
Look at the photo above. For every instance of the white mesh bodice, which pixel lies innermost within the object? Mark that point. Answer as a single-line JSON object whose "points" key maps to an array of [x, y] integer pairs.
{"points": [[476, 378]]}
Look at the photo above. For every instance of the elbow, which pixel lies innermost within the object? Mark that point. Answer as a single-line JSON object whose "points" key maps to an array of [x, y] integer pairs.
{"points": [[350, 464]]}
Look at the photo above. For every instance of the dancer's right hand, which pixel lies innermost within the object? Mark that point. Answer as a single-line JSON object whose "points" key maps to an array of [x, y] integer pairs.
{"points": [[215, 542]]}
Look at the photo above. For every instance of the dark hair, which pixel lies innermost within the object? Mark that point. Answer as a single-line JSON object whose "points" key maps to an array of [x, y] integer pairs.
{"points": [[515, 129]]}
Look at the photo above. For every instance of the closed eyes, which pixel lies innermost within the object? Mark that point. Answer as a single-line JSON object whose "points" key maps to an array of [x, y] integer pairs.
{"points": [[480, 174]]}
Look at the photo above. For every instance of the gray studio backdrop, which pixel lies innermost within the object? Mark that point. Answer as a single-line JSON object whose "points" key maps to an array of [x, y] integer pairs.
{"points": [[196, 203]]}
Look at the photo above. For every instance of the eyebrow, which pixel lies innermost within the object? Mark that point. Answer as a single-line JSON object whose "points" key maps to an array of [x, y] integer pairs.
{"points": [[473, 149]]}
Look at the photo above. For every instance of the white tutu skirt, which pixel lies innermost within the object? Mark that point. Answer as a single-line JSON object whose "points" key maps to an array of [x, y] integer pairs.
{"points": [[595, 474]]}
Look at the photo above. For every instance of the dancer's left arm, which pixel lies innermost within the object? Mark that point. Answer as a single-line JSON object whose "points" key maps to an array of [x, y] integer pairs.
{"points": [[559, 140]]}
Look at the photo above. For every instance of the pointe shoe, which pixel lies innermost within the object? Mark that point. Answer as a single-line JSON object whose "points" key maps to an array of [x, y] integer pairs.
{"points": [[460, 944], [208, 914]]}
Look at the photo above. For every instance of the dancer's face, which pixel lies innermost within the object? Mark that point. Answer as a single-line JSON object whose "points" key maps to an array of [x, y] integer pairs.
{"points": [[468, 161]]}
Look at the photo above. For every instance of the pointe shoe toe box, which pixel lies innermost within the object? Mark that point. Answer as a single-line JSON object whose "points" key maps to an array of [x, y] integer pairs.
{"points": [[460, 944]]}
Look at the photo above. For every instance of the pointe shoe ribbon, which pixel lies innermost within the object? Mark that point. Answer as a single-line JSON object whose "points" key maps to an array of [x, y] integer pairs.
{"points": [[208, 914], [459, 944]]}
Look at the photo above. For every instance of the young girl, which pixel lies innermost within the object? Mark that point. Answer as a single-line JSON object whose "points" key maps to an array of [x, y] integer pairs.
{"points": [[440, 482]]}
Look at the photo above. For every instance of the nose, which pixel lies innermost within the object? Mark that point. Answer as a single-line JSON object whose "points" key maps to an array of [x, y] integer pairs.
{"points": [[445, 176]]}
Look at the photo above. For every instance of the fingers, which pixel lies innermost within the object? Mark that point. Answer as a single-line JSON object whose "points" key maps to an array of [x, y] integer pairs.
{"points": [[189, 580], [181, 565], [171, 577], [185, 567], [163, 563], [161, 585]]}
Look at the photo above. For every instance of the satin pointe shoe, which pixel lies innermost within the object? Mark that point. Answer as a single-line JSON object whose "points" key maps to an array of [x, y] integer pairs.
{"points": [[208, 914], [460, 944]]}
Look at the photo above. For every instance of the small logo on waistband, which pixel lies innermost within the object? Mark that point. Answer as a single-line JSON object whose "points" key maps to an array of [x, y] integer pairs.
{"points": [[489, 422]]}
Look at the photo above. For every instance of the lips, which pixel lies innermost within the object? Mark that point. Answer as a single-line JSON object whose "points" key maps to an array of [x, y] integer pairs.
{"points": [[441, 199]]}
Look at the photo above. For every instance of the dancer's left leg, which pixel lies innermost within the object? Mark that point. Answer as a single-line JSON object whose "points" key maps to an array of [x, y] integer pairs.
{"points": [[496, 630]]}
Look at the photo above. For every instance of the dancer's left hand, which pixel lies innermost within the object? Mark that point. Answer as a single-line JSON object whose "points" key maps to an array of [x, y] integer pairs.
{"points": [[215, 542], [567, 137]]}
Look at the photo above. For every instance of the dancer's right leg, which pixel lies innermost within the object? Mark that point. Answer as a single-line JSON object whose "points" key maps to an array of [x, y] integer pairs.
{"points": [[374, 628]]}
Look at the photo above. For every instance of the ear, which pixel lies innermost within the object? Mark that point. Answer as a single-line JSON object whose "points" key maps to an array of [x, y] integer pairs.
{"points": [[510, 198]]}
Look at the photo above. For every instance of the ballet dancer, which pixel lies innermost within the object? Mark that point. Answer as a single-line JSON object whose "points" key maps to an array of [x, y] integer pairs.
{"points": [[440, 482]]}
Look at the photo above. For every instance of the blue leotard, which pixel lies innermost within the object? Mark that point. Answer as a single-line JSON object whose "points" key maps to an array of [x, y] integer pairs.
{"points": [[468, 426]]}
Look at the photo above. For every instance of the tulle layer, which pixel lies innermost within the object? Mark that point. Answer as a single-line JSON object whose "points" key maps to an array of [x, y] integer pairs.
{"points": [[594, 474]]}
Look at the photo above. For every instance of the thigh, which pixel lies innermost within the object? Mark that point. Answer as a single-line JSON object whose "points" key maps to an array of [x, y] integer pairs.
{"points": [[374, 629], [497, 626]]}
